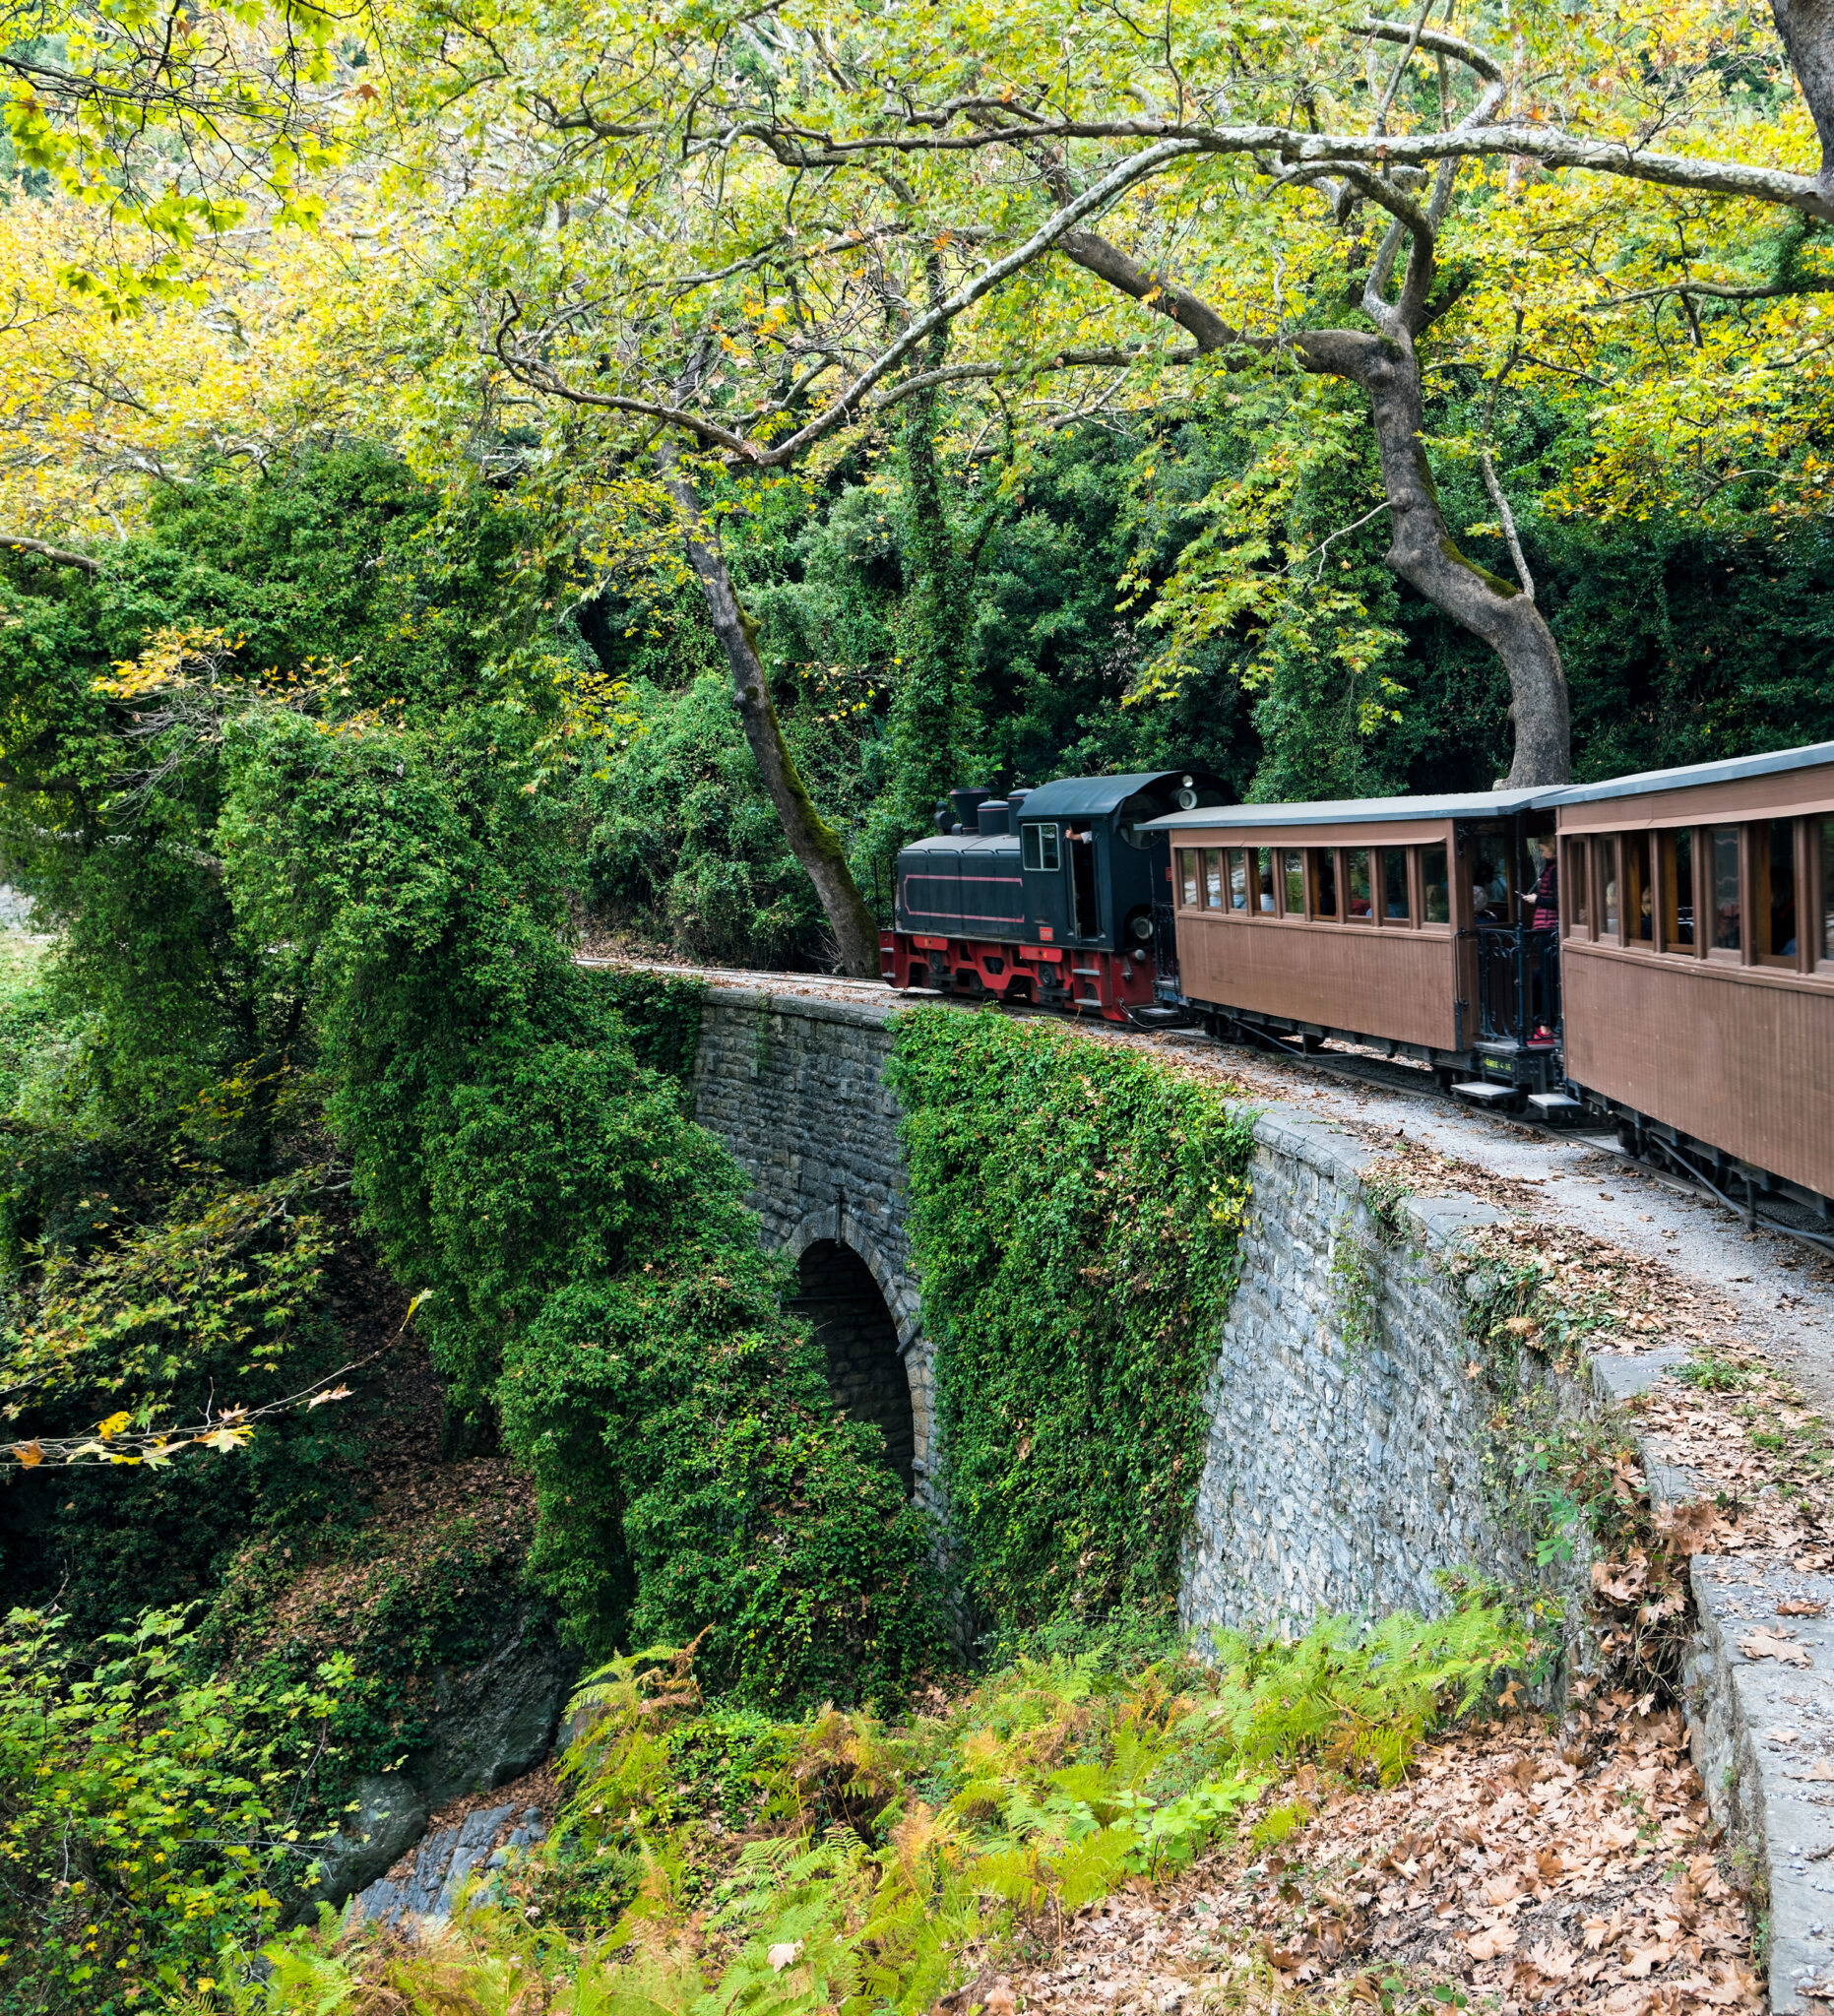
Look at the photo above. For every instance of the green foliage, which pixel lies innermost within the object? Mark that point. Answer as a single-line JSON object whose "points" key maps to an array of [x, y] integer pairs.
{"points": [[143, 1814], [858, 1864], [594, 1277], [1074, 1214]]}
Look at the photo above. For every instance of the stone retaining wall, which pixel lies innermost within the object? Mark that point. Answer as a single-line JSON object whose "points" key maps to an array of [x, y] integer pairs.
{"points": [[1345, 1461]]}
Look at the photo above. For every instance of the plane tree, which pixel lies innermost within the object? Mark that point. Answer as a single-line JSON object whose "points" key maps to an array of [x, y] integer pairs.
{"points": [[702, 250]]}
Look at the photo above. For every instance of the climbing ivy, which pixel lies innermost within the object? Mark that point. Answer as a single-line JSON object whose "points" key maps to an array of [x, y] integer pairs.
{"points": [[1074, 1214]]}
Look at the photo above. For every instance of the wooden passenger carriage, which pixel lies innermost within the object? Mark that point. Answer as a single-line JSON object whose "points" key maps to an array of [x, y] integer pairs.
{"points": [[1698, 957], [1407, 924]]}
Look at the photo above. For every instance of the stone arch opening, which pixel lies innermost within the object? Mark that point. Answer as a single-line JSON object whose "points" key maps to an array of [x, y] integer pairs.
{"points": [[836, 1292]]}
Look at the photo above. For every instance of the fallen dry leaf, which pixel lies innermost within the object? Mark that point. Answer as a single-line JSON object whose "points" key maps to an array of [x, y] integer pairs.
{"points": [[1762, 1644], [1800, 1606]]}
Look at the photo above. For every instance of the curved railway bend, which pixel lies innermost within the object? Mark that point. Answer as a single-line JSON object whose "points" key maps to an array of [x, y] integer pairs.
{"points": [[790, 1074]]}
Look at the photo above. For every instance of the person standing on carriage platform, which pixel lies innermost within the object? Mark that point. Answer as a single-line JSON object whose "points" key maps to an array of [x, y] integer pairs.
{"points": [[1545, 895]]}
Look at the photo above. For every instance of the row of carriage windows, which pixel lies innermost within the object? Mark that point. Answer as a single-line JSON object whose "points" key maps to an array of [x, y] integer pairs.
{"points": [[1399, 887], [1762, 893]]}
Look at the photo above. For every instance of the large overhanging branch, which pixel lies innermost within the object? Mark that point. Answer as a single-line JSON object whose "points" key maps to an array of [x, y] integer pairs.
{"points": [[1294, 148], [537, 373]]}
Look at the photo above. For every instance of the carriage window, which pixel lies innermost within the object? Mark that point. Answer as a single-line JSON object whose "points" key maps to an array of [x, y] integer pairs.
{"points": [[1489, 879], [1437, 884], [1394, 876], [1827, 889], [1359, 901], [1678, 891], [1292, 873], [1264, 880], [1213, 878], [1187, 873], [1609, 906], [1041, 848], [1238, 878], [1578, 890], [1728, 903], [1776, 895], [1324, 882], [1639, 896]]}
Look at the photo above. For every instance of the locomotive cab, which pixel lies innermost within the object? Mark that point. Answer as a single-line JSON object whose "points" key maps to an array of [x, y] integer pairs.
{"points": [[1070, 909]]}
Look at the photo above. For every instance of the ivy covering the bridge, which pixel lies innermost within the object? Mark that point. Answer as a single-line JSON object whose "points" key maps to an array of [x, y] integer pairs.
{"points": [[1075, 1213]]}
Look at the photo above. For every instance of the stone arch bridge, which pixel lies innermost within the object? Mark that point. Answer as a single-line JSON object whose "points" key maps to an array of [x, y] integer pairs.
{"points": [[1340, 1475]]}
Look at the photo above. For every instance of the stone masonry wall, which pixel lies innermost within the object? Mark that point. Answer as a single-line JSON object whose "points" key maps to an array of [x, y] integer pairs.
{"points": [[1344, 1463], [795, 1088]]}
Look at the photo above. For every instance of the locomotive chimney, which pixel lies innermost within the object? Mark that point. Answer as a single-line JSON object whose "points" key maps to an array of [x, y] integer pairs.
{"points": [[968, 804]]}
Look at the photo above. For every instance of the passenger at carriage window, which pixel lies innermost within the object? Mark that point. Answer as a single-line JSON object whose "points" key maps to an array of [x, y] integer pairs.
{"points": [[1646, 923]]}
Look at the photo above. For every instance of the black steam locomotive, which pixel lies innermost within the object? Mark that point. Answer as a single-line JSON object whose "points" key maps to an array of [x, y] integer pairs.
{"points": [[1059, 897]]}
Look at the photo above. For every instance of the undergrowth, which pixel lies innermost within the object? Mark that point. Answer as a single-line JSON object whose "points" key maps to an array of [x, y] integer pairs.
{"points": [[855, 1863]]}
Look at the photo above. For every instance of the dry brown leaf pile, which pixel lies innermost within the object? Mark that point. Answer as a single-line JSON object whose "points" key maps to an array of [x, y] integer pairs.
{"points": [[1537, 1869]]}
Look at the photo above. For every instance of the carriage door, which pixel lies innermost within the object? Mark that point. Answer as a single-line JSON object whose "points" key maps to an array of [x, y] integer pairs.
{"points": [[1085, 910]]}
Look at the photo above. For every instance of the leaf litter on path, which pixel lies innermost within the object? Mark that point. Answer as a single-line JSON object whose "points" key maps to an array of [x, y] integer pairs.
{"points": [[1523, 1867]]}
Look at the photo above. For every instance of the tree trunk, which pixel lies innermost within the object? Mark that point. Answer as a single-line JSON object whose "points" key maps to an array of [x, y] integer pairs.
{"points": [[1422, 551], [1807, 30], [811, 840]]}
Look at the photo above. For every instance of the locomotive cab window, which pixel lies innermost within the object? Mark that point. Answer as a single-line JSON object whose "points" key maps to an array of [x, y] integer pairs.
{"points": [[1041, 848]]}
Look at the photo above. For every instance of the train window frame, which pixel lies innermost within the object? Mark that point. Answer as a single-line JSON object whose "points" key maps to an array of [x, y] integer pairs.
{"points": [[1265, 862], [1378, 879], [1819, 841], [1213, 859], [1290, 872], [1038, 837], [1448, 858], [1323, 858], [1237, 865], [1575, 882], [1634, 882], [1368, 856], [1189, 879], [1761, 906], [1736, 954], [1607, 890], [1666, 862]]}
